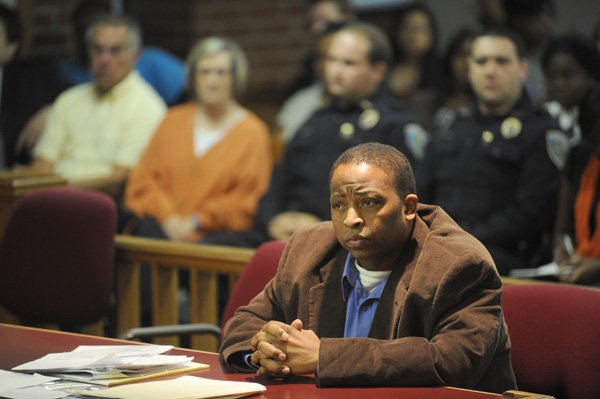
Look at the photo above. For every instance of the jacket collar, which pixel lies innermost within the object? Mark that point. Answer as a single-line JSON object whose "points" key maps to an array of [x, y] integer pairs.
{"points": [[327, 308]]}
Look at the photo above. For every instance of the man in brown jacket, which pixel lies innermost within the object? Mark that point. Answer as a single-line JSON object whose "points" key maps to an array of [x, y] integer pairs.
{"points": [[390, 292]]}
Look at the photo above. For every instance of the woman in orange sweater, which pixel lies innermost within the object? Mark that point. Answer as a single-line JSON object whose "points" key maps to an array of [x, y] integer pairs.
{"points": [[210, 160]]}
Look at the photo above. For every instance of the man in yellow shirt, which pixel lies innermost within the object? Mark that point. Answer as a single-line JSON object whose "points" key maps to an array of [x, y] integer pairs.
{"points": [[97, 131]]}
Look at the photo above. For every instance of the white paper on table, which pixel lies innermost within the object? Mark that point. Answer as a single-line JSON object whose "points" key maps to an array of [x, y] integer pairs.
{"points": [[124, 350], [551, 269], [186, 387], [143, 362], [95, 356], [67, 360], [10, 380]]}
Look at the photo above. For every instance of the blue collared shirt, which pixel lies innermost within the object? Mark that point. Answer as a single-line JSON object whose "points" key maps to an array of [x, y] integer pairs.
{"points": [[361, 306]]}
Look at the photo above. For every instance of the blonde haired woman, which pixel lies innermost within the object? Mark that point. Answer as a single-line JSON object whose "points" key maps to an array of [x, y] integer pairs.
{"points": [[209, 161]]}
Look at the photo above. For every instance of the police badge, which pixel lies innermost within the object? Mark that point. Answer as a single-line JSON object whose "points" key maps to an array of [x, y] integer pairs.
{"points": [[368, 118], [487, 137], [347, 130], [510, 127]]}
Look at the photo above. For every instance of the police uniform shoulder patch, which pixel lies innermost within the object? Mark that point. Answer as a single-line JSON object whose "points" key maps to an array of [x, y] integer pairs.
{"points": [[416, 139], [557, 146], [443, 118]]}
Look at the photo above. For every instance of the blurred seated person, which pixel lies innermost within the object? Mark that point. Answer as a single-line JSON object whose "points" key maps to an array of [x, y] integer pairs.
{"points": [[571, 66], [297, 108], [321, 15], [415, 71], [28, 88], [360, 110], [454, 92], [162, 70], [577, 235], [309, 94], [210, 160], [97, 131], [532, 21], [490, 13]]}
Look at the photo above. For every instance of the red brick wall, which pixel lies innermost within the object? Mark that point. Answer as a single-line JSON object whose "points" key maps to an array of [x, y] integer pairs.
{"points": [[46, 27], [273, 33]]}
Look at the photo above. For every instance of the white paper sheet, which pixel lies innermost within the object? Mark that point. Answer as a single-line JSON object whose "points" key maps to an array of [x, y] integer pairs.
{"points": [[10, 380]]}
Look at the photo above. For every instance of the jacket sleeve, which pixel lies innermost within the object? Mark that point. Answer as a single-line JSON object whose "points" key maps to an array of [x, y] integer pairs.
{"points": [[249, 320]]}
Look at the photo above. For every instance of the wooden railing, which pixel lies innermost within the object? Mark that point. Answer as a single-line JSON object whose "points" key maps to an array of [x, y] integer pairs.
{"points": [[166, 259]]}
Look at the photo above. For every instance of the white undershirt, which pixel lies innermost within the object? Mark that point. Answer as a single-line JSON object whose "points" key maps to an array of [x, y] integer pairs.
{"points": [[369, 279], [205, 140], [567, 120]]}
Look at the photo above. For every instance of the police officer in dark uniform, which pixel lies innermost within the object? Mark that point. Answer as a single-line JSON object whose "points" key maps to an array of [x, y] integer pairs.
{"points": [[359, 111], [494, 167]]}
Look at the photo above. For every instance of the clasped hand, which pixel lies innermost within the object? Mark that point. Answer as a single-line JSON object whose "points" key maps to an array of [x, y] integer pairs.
{"points": [[284, 349], [178, 228]]}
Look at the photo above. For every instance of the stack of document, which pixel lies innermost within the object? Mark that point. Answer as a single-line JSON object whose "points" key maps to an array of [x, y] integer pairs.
{"points": [[112, 364]]}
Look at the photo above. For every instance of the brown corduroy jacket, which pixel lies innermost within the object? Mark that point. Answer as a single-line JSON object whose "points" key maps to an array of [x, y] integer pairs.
{"points": [[439, 320]]}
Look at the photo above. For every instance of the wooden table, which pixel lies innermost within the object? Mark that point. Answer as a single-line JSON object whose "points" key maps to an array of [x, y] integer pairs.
{"points": [[21, 344]]}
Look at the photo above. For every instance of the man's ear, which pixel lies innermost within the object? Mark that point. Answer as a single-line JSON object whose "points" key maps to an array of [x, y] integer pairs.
{"points": [[136, 55], [410, 206], [380, 71], [523, 69]]}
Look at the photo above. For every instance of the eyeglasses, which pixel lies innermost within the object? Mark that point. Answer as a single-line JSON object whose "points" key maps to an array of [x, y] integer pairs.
{"points": [[220, 72], [114, 51]]}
